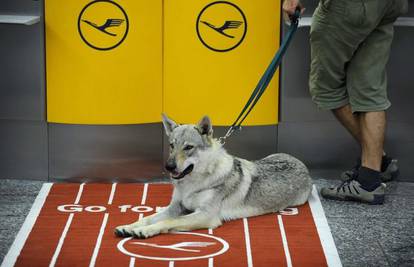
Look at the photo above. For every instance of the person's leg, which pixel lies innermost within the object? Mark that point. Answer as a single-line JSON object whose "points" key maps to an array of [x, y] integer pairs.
{"points": [[331, 49], [371, 102], [372, 126], [365, 185], [366, 86], [349, 120], [352, 122]]}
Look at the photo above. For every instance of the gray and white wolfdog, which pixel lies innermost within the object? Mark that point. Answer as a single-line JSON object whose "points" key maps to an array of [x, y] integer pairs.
{"points": [[211, 186]]}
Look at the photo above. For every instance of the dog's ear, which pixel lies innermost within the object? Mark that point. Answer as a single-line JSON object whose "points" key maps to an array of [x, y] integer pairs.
{"points": [[205, 127], [169, 124]]}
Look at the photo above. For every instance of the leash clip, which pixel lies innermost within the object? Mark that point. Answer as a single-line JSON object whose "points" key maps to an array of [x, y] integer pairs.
{"points": [[230, 131]]}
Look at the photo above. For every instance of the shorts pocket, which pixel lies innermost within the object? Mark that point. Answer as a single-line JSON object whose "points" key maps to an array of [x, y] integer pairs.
{"points": [[325, 4], [350, 12], [354, 12]]}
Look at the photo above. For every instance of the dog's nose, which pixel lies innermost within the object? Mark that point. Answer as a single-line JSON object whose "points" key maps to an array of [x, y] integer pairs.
{"points": [[170, 166]]}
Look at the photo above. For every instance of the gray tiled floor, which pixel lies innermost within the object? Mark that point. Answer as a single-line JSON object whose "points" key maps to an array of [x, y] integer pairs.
{"points": [[16, 199], [374, 235], [364, 235]]}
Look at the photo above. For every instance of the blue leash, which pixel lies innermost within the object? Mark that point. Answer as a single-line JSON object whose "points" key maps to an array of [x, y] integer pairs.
{"points": [[265, 79]]}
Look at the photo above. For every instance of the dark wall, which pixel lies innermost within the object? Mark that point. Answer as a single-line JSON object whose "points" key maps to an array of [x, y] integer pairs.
{"points": [[23, 130]]}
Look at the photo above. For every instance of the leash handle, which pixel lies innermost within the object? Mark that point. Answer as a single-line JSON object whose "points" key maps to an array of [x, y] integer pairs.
{"points": [[294, 18]]}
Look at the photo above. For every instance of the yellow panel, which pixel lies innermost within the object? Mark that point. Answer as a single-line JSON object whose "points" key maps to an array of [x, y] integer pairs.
{"points": [[90, 83], [211, 67]]}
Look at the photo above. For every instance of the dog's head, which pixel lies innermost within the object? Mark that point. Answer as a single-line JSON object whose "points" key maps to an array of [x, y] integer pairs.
{"points": [[186, 143]]}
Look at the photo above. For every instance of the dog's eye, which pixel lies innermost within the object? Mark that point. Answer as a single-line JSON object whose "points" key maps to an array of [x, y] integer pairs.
{"points": [[188, 147], [172, 146]]}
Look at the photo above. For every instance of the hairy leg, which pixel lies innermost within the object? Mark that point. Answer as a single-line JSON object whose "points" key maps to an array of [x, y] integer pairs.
{"points": [[349, 120], [372, 125]]}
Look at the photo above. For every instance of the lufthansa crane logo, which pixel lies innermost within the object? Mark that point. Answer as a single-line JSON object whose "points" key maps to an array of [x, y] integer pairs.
{"points": [[176, 246], [103, 24], [221, 26]]}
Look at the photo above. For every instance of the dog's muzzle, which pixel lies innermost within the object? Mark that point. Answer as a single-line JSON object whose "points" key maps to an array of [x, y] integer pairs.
{"points": [[177, 175]]}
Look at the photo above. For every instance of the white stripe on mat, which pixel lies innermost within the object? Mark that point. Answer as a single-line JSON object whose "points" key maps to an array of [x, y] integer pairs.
{"points": [[102, 229], [210, 260], [99, 240], [248, 247], [144, 194], [111, 196], [141, 215], [78, 196], [325, 235], [14, 251], [66, 229], [61, 240], [284, 240]]}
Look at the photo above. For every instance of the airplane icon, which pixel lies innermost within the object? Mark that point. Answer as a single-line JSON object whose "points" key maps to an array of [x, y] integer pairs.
{"points": [[107, 24], [229, 24]]}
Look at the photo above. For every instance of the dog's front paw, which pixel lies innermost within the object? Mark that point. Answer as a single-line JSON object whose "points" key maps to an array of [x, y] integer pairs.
{"points": [[145, 231], [123, 231], [126, 230]]}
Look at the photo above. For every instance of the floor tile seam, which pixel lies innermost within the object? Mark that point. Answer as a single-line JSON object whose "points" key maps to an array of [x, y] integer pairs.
{"points": [[383, 253], [369, 217], [20, 195], [409, 196], [19, 201]]}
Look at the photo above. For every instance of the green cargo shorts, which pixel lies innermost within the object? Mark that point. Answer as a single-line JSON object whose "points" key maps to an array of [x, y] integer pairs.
{"points": [[350, 45]]}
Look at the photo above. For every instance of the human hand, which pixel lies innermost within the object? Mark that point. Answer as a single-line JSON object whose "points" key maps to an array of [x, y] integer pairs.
{"points": [[289, 7]]}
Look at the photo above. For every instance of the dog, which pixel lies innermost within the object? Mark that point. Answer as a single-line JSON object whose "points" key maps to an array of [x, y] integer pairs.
{"points": [[211, 186]]}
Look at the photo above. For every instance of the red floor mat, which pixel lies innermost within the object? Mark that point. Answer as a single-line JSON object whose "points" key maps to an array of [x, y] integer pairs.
{"points": [[72, 225]]}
